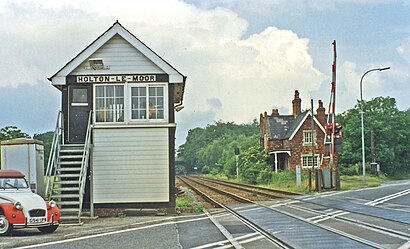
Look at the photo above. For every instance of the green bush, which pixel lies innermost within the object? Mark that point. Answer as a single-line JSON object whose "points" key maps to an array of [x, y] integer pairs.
{"points": [[250, 175], [206, 170], [265, 176], [198, 208], [183, 202], [284, 177], [180, 170], [348, 170]]}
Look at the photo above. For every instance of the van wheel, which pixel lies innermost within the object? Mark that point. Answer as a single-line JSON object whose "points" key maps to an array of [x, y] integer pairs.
{"points": [[48, 229], [5, 226]]}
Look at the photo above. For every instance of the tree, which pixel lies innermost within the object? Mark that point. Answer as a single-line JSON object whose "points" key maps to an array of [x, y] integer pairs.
{"points": [[391, 135], [211, 150], [12, 132], [213, 145], [47, 138], [253, 165]]}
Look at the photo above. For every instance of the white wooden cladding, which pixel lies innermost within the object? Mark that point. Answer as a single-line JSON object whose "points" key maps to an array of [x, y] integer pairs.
{"points": [[121, 57], [131, 165]]}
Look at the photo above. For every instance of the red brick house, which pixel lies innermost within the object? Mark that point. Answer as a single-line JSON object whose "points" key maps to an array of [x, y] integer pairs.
{"points": [[287, 139]]}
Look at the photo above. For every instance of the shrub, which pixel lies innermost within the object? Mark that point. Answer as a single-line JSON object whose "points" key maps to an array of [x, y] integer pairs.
{"points": [[265, 176], [206, 170]]}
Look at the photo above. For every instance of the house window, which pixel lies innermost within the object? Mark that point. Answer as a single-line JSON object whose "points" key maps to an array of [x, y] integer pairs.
{"points": [[153, 109], [307, 137], [79, 97], [109, 103], [307, 161]]}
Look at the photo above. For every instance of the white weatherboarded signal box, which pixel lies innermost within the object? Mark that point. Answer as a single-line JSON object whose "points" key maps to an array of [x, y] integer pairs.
{"points": [[26, 156]]}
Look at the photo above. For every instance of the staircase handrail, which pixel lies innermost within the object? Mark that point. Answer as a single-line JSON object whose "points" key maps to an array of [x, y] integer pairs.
{"points": [[85, 160], [53, 157]]}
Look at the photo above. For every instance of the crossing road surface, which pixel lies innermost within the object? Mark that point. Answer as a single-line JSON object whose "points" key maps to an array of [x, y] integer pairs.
{"points": [[384, 204]]}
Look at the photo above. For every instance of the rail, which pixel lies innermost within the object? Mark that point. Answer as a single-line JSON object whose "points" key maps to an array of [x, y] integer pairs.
{"points": [[203, 182], [58, 140], [275, 240], [85, 160]]}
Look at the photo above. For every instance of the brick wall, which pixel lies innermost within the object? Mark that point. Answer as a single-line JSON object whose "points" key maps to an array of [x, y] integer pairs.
{"points": [[298, 148]]}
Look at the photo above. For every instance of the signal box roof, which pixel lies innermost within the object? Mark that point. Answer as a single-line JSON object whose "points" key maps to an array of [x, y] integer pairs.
{"points": [[11, 174]]}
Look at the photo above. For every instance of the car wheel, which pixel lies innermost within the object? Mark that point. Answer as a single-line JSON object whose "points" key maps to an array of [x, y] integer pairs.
{"points": [[48, 229], [5, 226]]}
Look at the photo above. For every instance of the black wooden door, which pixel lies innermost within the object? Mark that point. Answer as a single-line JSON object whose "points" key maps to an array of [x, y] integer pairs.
{"points": [[80, 105]]}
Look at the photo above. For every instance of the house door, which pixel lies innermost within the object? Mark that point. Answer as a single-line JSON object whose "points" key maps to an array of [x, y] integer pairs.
{"points": [[80, 105]]}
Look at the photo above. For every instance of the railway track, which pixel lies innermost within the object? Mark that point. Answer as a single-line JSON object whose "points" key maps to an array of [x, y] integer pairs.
{"points": [[209, 196], [241, 190]]}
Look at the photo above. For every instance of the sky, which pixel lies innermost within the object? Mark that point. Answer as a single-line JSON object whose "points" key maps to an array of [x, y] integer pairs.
{"points": [[241, 57]]}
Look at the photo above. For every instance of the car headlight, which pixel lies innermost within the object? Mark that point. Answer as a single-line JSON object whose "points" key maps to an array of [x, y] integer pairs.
{"points": [[52, 203], [18, 206]]}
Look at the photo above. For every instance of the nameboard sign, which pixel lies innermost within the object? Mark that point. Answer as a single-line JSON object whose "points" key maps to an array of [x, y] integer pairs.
{"points": [[116, 78]]}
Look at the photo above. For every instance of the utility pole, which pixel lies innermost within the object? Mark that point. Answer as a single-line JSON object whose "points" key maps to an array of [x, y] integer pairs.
{"points": [[372, 145], [313, 146]]}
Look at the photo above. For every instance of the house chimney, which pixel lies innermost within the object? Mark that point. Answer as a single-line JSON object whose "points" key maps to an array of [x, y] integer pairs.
{"points": [[275, 112], [320, 113], [296, 103], [265, 121]]}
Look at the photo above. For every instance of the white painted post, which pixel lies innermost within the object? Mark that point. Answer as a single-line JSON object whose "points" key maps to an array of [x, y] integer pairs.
{"points": [[298, 177]]}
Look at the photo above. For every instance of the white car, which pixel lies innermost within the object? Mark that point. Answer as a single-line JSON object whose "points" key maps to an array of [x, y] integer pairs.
{"points": [[21, 208]]}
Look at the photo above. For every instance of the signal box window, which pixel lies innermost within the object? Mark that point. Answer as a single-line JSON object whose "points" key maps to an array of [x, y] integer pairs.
{"points": [[153, 109], [109, 103]]}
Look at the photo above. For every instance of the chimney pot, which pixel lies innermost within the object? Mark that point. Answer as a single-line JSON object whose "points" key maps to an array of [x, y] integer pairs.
{"points": [[321, 117], [296, 104]]}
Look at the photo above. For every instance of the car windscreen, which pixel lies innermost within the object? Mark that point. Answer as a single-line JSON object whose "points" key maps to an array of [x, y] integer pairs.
{"points": [[13, 183]]}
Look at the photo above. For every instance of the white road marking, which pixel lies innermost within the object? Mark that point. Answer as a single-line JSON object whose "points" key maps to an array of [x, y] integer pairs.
{"points": [[330, 217], [211, 245], [111, 233], [284, 203], [327, 216], [225, 232], [242, 242], [405, 245], [387, 198]]}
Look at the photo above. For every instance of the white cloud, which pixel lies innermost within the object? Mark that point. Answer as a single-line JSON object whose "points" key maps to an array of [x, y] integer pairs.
{"points": [[293, 7], [229, 77], [375, 83], [404, 50]]}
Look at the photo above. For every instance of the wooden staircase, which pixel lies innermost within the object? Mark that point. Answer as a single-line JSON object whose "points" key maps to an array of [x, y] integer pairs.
{"points": [[66, 191]]}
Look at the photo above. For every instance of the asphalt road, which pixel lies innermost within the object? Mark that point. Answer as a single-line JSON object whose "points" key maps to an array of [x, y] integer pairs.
{"points": [[190, 231]]}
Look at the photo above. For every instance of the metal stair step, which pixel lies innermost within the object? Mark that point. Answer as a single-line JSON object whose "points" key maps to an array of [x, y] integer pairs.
{"points": [[71, 156], [58, 196], [71, 151], [69, 169], [67, 189], [69, 210], [67, 203], [72, 147], [68, 175], [66, 182], [70, 162]]}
